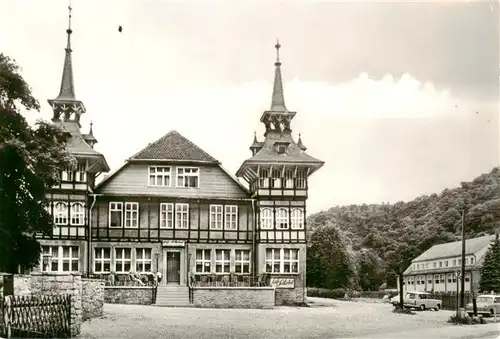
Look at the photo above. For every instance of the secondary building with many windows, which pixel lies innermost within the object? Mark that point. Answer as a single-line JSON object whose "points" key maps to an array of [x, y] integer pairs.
{"points": [[172, 207], [436, 269]]}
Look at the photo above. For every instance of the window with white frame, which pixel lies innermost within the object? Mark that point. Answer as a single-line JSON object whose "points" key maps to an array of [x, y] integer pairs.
{"points": [[300, 180], [282, 218], [275, 178], [131, 214], [60, 213], [203, 261], [282, 260], [242, 261], [231, 217], [77, 213], [159, 176], [288, 179], [123, 260], [297, 219], [472, 260], [60, 258], [181, 215], [52, 264], [67, 174], [102, 259], [264, 178], [115, 214], [143, 259], [222, 261], [81, 174], [266, 218], [166, 215], [187, 177], [216, 217], [70, 258]]}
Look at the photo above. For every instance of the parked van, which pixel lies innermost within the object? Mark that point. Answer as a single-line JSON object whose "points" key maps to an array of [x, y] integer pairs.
{"points": [[418, 300]]}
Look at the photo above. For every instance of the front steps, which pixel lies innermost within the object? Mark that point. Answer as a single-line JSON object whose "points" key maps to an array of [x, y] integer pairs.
{"points": [[172, 295]]}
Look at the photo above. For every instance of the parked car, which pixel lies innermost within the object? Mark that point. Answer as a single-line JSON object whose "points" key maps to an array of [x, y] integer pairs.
{"points": [[418, 300], [487, 304]]}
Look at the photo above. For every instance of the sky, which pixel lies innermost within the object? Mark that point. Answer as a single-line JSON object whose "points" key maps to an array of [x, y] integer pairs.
{"points": [[399, 99]]}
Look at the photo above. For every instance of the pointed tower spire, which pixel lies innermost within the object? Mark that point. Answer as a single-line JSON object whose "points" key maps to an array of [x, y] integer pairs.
{"points": [[67, 84], [66, 102], [300, 144], [278, 100], [89, 138]]}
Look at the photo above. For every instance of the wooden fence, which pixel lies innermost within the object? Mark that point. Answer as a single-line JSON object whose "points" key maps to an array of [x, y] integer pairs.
{"points": [[43, 316]]}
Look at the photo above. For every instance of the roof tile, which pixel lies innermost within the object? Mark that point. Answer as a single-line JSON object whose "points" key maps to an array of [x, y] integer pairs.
{"points": [[453, 249], [173, 146]]}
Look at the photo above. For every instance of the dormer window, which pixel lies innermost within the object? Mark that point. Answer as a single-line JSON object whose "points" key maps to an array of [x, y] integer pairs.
{"points": [[281, 147]]}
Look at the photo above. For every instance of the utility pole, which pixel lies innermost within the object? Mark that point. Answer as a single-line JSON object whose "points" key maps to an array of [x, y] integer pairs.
{"points": [[462, 272]]}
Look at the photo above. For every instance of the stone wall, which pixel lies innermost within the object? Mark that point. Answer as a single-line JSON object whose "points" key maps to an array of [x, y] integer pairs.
{"points": [[22, 283], [233, 297], [87, 295], [284, 294], [138, 295], [58, 283], [290, 296], [92, 298]]}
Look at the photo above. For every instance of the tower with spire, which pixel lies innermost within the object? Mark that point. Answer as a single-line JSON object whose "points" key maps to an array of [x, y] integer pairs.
{"points": [[277, 174], [69, 202]]}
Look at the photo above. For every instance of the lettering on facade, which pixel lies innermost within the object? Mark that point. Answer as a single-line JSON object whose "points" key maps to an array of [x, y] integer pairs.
{"points": [[173, 243], [283, 282]]}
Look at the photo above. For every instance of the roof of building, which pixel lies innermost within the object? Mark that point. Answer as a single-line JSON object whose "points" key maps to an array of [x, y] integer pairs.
{"points": [[453, 249], [174, 147], [269, 154], [77, 145]]}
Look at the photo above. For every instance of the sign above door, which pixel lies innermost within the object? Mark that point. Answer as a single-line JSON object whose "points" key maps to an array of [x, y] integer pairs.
{"points": [[173, 243]]}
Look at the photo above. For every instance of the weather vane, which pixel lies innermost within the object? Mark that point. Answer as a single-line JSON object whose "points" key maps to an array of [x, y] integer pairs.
{"points": [[69, 17]]}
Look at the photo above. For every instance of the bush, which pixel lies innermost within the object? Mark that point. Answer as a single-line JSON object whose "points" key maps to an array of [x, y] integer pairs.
{"points": [[400, 310], [338, 293], [465, 320]]}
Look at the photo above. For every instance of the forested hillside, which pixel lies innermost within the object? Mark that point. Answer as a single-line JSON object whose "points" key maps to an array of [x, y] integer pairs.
{"points": [[381, 239]]}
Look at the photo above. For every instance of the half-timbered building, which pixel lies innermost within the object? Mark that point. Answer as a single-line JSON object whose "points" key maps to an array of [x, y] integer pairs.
{"points": [[67, 249], [173, 208], [277, 174]]}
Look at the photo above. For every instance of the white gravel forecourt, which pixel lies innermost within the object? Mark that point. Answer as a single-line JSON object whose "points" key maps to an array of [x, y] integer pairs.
{"points": [[325, 319]]}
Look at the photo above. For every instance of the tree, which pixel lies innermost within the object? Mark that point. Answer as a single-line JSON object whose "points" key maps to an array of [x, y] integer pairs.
{"points": [[490, 270], [328, 263], [30, 162]]}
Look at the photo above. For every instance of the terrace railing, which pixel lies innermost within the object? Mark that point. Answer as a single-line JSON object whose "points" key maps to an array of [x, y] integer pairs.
{"points": [[126, 279], [228, 280]]}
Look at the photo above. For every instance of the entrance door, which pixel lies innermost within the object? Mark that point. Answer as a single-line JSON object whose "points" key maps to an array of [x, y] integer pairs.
{"points": [[173, 267]]}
